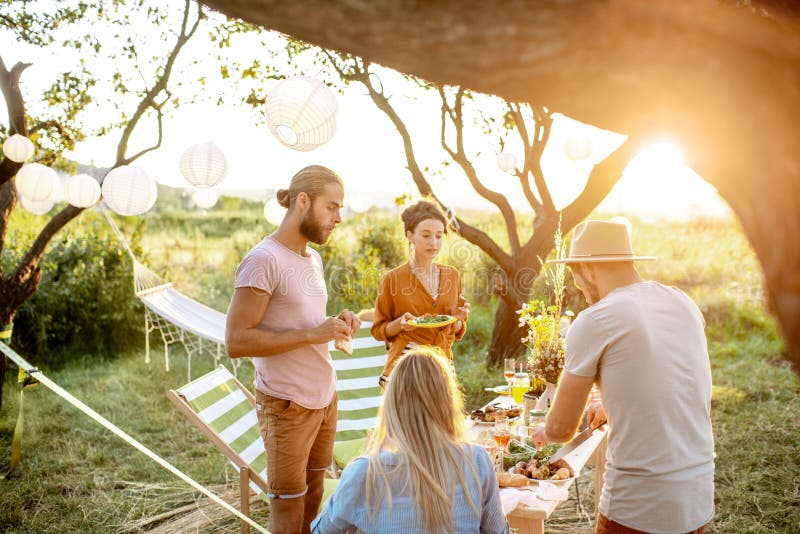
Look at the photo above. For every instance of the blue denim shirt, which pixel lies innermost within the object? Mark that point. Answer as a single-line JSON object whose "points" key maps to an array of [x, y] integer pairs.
{"points": [[346, 510]]}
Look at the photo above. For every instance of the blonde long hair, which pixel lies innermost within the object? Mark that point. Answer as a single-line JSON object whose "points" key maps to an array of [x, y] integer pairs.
{"points": [[421, 420]]}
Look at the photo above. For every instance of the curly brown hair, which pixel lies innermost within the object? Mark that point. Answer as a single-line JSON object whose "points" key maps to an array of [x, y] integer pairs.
{"points": [[421, 211]]}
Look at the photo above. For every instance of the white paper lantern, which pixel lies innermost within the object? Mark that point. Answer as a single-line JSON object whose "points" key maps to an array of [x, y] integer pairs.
{"points": [[153, 196], [37, 182], [18, 148], [204, 165], [507, 162], [578, 148], [81, 190], [301, 113], [37, 207], [205, 198], [128, 190], [274, 212]]}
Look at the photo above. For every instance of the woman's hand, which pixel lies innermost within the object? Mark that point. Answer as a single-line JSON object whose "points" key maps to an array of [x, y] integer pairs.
{"points": [[462, 313], [402, 321]]}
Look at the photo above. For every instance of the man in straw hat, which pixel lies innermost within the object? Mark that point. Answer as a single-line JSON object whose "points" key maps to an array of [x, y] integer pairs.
{"points": [[643, 344]]}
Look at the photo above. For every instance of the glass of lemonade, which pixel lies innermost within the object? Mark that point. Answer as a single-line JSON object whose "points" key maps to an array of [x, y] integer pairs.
{"points": [[520, 385]]}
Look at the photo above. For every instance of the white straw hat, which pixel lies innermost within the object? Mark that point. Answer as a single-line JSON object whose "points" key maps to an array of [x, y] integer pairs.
{"points": [[601, 241]]}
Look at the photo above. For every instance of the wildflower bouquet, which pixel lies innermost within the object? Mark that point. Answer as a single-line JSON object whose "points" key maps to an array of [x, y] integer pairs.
{"points": [[543, 321]]}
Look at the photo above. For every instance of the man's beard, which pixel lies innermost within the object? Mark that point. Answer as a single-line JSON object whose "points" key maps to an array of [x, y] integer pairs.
{"points": [[592, 293], [312, 230]]}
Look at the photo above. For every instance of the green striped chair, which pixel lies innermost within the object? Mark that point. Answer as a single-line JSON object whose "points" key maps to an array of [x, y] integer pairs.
{"points": [[359, 393], [224, 410]]}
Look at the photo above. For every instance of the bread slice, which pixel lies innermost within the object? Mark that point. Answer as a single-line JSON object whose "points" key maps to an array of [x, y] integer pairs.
{"points": [[344, 345]]}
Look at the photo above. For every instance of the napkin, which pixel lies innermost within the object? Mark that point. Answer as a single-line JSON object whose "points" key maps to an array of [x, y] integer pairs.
{"points": [[550, 492], [510, 498]]}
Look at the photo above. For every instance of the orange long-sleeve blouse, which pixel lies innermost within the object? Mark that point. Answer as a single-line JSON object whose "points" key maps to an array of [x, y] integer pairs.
{"points": [[402, 292]]}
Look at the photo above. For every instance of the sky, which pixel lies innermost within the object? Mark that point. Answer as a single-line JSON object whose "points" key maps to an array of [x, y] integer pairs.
{"points": [[367, 151]]}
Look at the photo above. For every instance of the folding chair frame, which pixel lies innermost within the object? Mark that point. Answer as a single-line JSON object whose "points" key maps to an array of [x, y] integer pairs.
{"points": [[246, 475]]}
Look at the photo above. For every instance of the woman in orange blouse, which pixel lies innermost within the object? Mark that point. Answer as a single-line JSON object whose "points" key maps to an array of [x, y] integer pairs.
{"points": [[419, 287]]}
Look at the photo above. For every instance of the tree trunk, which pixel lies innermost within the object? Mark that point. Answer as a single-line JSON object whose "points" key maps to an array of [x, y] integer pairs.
{"points": [[506, 335]]}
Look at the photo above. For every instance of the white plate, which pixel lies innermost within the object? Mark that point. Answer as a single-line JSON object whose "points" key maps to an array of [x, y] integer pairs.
{"points": [[450, 320], [491, 423], [535, 481]]}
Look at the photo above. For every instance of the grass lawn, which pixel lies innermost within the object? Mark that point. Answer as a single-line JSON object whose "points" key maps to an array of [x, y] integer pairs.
{"points": [[78, 477]]}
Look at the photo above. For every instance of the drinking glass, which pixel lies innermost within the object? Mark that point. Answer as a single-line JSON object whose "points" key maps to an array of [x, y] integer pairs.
{"points": [[501, 432], [520, 385], [509, 370]]}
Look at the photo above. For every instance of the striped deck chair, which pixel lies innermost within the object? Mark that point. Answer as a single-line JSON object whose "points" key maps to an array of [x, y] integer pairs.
{"points": [[359, 393], [224, 410]]}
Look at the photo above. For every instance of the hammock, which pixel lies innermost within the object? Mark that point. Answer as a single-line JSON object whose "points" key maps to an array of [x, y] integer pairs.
{"points": [[178, 318]]}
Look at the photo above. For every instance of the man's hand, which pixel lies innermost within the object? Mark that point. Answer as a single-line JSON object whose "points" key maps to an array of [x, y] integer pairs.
{"points": [[332, 328], [353, 322], [539, 437], [596, 415]]}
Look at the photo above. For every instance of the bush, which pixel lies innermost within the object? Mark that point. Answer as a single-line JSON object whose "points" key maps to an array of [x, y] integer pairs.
{"points": [[85, 301]]}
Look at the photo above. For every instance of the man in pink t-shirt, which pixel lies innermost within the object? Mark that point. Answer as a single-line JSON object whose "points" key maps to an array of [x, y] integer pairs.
{"points": [[277, 317]]}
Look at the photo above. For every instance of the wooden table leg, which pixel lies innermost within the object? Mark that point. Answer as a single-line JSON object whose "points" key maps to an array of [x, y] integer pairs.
{"points": [[244, 498], [598, 459], [526, 525]]}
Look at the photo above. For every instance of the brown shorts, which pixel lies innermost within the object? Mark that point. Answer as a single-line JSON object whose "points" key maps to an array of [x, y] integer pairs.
{"points": [[606, 526], [296, 440]]}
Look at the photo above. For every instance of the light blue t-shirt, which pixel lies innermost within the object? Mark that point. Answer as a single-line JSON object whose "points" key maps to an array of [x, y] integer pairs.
{"points": [[347, 511]]}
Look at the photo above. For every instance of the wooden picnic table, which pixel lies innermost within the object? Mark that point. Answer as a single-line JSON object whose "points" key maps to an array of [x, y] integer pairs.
{"points": [[529, 519]]}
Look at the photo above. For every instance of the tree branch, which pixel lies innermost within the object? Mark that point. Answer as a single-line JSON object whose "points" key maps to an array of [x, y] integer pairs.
{"points": [[459, 156], [533, 156], [149, 99], [523, 174], [603, 177], [15, 106], [473, 235]]}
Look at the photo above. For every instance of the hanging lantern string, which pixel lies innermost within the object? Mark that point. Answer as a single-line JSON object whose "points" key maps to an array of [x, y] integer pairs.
{"points": [[451, 218]]}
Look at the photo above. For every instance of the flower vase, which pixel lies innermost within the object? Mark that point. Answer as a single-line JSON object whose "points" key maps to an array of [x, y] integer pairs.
{"points": [[546, 398]]}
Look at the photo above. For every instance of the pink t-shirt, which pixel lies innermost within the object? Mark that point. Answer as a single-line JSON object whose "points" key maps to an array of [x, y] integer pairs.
{"points": [[296, 285]]}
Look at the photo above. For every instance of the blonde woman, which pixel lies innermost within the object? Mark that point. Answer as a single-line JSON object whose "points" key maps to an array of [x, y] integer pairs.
{"points": [[420, 474]]}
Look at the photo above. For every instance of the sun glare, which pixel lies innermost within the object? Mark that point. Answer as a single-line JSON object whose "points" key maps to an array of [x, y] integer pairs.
{"points": [[658, 182], [657, 158]]}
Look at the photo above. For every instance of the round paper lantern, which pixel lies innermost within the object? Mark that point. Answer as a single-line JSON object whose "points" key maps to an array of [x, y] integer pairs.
{"points": [[18, 148], [81, 190], [37, 207], [36, 182], [128, 190], [578, 148], [301, 113], [507, 162], [204, 165], [274, 212], [205, 198], [153, 196]]}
